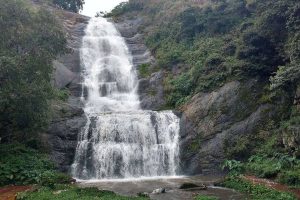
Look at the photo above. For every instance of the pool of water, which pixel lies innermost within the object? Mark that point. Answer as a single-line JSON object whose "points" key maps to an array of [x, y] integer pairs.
{"points": [[131, 187]]}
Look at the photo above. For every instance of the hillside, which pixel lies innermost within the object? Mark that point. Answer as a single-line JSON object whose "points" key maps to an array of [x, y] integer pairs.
{"points": [[232, 68]]}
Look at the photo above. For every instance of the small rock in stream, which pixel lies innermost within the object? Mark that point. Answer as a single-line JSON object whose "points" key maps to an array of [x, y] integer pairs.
{"points": [[159, 191], [186, 186], [143, 194]]}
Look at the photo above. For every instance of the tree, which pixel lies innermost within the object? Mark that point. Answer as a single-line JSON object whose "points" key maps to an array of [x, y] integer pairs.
{"points": [[71, 5], [29, 41]]}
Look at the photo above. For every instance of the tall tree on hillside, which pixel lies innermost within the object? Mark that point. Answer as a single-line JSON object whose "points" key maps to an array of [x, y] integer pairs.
{"points": [[71, 5], [29, 41]]}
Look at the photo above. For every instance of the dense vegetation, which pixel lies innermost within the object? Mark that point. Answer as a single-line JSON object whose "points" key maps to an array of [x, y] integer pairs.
{"points": [[30, 39], [65, 192], [216, 41], [202, 197], [257, 192], [71, 5], [20, 165]]}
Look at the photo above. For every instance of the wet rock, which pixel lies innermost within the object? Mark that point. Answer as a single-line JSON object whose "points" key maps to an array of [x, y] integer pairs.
{"points": [[61, 137], [185, 186], [212, 122], [143, 194], [68, 117], [150, 89], [159, 191], [151, 92]]}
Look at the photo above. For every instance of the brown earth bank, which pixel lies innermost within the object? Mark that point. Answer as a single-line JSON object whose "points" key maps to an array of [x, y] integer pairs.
{"points": [[10, 192]]}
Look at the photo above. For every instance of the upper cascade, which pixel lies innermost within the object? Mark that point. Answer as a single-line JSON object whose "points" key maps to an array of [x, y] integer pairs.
{"points": [[109, 77], [119, 140]]}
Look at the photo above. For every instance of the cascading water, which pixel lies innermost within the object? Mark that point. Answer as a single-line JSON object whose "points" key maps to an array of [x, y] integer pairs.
{"points": [[119, 140]]}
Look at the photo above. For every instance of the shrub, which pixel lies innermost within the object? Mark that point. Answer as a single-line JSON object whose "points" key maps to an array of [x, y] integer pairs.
{"points": [[257, 192], [20, 165], [124, 7], [50, 178], [290, 177], [181, 88], [144, 70], [204, 197], [234, 166], [65, 192], [71, 5]]}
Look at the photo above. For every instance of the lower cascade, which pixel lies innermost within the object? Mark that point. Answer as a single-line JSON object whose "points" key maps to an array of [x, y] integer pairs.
{"points": [[120, 140]]}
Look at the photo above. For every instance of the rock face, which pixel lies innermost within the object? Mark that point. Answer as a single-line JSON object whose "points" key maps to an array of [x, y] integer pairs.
{"points": [[150, 89], [210, 122], [61, 138], [214, 121], [291, 134], [69, 118]]}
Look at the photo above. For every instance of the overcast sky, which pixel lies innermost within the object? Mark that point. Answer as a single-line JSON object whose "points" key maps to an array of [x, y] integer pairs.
{"points": [[91, 7]]}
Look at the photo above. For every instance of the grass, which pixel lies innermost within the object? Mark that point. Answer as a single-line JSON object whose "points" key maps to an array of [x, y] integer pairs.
{"points": [[204, 197], [144, 70], [257, 192], [67, 192]]}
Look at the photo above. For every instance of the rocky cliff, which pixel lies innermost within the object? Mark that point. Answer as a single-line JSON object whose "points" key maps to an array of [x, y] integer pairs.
{"points": [[213, 123], [150, 88], [68, 116], [216, 121]]}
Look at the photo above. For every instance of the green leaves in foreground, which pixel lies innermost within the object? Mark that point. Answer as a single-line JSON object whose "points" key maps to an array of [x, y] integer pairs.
{"points": [[20, 165], [257, 192], [281, 167], [204, 197], [70, 192]]}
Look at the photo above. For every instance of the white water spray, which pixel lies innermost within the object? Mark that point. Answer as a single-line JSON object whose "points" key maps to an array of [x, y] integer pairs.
{"points": [[119, 140]]}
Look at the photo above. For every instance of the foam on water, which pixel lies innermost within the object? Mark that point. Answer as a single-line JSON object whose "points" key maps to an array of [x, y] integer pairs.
{"points": [[119, 141]]}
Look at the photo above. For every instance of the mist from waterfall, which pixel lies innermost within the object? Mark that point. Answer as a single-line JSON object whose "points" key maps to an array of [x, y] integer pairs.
{"points": [[119, 140]]}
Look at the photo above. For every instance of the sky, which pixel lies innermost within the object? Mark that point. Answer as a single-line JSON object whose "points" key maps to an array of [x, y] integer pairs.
{"points": [[91, 7]]}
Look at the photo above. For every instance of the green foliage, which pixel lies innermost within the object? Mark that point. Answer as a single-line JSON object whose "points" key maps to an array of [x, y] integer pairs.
{"points": [[125, 7], [285, 76], [29, 41], [262, 166], [63, 192], [181, 88], [205, 197], [144, 70], [71, 5], [20, 165], [290, 177], [259, 53], [50, 178], [62, 94], [220, 18], [257, 192], [222, 41], [234, 166], [281, 166]]}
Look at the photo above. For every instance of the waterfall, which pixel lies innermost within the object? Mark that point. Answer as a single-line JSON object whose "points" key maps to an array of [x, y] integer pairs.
{"points": [[119, 140]]}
